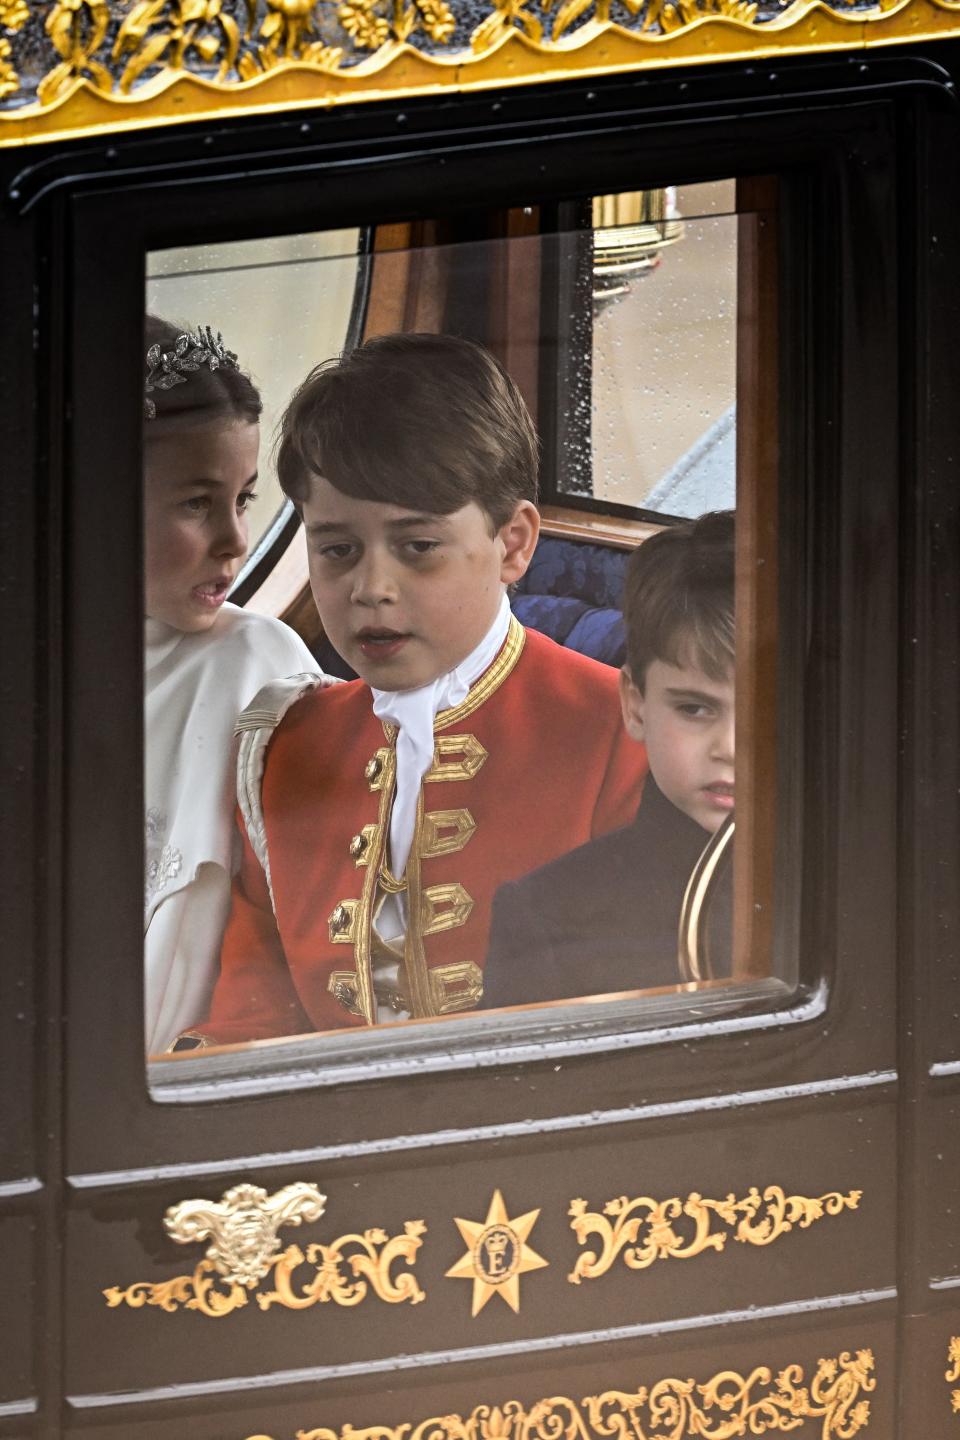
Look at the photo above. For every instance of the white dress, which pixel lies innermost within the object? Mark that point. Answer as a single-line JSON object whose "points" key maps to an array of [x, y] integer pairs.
{"points": [[195, 687]]}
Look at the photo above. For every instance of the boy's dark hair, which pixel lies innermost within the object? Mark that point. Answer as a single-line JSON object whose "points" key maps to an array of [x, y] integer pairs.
{"points": [[205, 395], [679, 598], [426, 422]]}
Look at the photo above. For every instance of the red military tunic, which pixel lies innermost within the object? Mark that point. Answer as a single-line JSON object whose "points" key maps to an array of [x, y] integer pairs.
{"points": [[532, 763]]}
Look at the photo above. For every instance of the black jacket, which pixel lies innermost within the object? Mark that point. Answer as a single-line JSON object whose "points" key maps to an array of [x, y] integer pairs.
{"points": [[604, 918]]}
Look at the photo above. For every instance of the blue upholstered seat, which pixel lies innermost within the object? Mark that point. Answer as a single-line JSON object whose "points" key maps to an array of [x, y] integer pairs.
{"points": [[573, 592]]}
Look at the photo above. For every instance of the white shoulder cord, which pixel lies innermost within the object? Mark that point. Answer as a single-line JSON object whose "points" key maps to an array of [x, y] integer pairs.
{"points": [[255, 728]]}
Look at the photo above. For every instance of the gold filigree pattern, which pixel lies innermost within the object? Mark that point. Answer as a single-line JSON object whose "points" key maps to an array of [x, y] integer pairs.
{"points": [[644, 1230], [372, 23], [77, 29], [168, 32], [115, 64], [953, 1371], [9, 80], [725, 1406], [344, 1271], [288, 33], [14, 14]]}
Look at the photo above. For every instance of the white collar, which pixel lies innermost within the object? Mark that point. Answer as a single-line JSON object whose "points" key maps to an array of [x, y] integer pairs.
{"points": [[413, 712]]}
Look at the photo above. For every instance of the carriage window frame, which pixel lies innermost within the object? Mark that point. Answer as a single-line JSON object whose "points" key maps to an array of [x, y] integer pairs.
{"points": [[490, 1038], [811, 164]]}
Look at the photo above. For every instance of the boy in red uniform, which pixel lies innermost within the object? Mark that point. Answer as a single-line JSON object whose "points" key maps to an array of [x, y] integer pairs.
{"points": [[469, 752]]}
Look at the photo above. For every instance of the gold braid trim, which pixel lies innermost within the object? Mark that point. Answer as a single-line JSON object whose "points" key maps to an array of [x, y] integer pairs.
{"points": [[490, 681]]}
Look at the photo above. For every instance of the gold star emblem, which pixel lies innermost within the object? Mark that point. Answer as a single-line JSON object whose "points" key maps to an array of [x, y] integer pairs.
{"points": [[497, 1254]]}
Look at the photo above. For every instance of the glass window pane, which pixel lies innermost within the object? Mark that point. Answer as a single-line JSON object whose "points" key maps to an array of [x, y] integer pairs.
{"points": [[489, 816]]}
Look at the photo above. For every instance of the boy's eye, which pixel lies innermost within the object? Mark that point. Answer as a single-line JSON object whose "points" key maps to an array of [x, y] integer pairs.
{"points": [[421, 547], [694, 710], [341, 551]]}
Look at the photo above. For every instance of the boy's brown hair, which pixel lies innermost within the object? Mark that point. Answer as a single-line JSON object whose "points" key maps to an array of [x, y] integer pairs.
{"points": [[426, 422], [679, 598]]}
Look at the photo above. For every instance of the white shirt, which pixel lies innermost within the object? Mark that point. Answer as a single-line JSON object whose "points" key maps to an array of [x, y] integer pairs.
{"points": [[195, 686], [413, 712]]}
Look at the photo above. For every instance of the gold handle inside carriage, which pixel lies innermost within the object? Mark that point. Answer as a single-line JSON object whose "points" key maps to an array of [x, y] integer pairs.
{"points": [[693, 942]]}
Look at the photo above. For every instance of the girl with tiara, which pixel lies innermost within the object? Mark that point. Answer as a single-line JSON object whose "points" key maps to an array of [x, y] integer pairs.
{"points": [[205, 658]]}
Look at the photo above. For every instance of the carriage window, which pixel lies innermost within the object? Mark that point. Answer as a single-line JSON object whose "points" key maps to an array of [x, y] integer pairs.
{"points": [[461, 578]]}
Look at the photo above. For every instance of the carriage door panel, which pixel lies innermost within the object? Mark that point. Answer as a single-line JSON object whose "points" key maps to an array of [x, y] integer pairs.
{"points": [[643, 1211]]}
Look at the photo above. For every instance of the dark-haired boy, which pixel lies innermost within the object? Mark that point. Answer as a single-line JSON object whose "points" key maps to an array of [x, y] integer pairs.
{"points": [[605, 918], [469, 753]]}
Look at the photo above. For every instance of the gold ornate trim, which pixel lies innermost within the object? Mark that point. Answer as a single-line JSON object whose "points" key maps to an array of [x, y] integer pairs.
{"points": [[490, 681], [444, 907], [116, 66], [620, 1225], [953, 1371], [472, 754], [245, 1250], [728, 1404], [457, 986], [445, 832]]}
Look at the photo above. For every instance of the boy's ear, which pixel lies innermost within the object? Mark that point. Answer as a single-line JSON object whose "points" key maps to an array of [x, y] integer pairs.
{"points": [[519, 537], [631, 705]]}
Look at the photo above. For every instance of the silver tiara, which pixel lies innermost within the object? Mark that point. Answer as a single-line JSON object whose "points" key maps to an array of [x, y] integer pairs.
{"points": [[166, 368]]}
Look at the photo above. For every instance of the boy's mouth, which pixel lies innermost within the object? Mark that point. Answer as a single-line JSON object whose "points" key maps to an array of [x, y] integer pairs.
{"points": [[379, 643], [720, 794]]}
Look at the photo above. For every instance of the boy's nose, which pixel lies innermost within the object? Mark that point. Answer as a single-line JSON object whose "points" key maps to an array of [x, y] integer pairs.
{"points": [[724, 740], [373, 582]]}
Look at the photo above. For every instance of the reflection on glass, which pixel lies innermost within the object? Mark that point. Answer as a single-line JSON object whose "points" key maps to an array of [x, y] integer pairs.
{"points": [[662, 351], [460, 827]]}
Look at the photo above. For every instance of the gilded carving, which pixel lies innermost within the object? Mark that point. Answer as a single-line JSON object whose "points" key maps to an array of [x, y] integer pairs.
{"points": [[288, 33], [14, 14], [727, 1405], [77, 30], [953, 1371], [344, 1271], [372, 23], [644, 1230], [242, 1227], [9, 80], [111, 64]]}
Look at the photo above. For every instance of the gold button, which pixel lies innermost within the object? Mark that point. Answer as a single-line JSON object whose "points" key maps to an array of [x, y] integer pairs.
{"points": [[339, 920], [358, 846], [374, 768]]}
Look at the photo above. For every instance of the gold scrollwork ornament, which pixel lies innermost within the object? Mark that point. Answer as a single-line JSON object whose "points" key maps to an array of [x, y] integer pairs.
{"points": [[953, 1371], [245, 1249], [644, 1230], [726, 1406]]}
